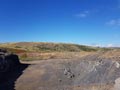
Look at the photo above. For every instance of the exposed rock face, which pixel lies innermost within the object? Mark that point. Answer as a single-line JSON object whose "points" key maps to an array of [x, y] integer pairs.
{"points": [[8, 61], [80, 74], [87, 73], [93, 72]]}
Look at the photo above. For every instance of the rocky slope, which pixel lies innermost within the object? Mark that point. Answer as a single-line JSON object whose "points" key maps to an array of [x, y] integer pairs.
{"points": [[8, 62], [91, 72]]}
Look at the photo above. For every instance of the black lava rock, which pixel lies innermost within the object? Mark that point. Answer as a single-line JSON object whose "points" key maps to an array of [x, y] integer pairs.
{"points": [[8, 62]]}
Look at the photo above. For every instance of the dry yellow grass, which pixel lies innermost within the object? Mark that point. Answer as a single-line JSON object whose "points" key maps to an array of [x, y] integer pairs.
{"points": [[94, 87], [53, 55], [40, 50], [111, 54]]}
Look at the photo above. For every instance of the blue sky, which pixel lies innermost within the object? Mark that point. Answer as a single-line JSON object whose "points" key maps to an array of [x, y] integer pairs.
{"points": [[89, 22]]}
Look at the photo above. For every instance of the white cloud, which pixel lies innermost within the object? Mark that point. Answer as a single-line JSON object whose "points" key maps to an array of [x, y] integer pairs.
{"points": [[111, 22], [107, 45], [83, 14], [114, 22], [113, 45], [86, 12], [96, 45], [110, 45]]}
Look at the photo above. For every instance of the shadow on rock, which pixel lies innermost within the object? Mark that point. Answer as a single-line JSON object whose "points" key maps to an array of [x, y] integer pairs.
{"points": [[8, 80]]}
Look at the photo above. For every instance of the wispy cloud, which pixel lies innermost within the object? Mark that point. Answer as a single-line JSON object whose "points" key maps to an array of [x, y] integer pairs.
{"points": [[114, 22], [96, 45], [110, 45], [113, 45], [83, 14], [105, 45]]}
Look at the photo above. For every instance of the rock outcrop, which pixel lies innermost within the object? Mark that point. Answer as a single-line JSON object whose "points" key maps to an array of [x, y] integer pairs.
{"points": [[8, 61]]}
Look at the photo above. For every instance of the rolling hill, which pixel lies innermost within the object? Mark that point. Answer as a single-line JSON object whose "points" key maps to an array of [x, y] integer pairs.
{"points": [[44, 50]]}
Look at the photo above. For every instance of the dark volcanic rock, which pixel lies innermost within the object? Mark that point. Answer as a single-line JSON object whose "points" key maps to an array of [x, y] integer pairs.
{"points": [[8, 61]]}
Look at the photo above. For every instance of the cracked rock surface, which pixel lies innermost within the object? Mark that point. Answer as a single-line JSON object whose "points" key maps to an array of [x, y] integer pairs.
{"points": [[88, 73]]}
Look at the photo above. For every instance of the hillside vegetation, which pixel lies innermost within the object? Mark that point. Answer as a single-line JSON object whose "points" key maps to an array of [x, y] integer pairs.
{"points": [[48, 47], [40, 50], [64, 67]]}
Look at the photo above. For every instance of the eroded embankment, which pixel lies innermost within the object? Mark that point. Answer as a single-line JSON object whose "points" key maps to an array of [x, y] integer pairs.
{"points": [[87, 73]]}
